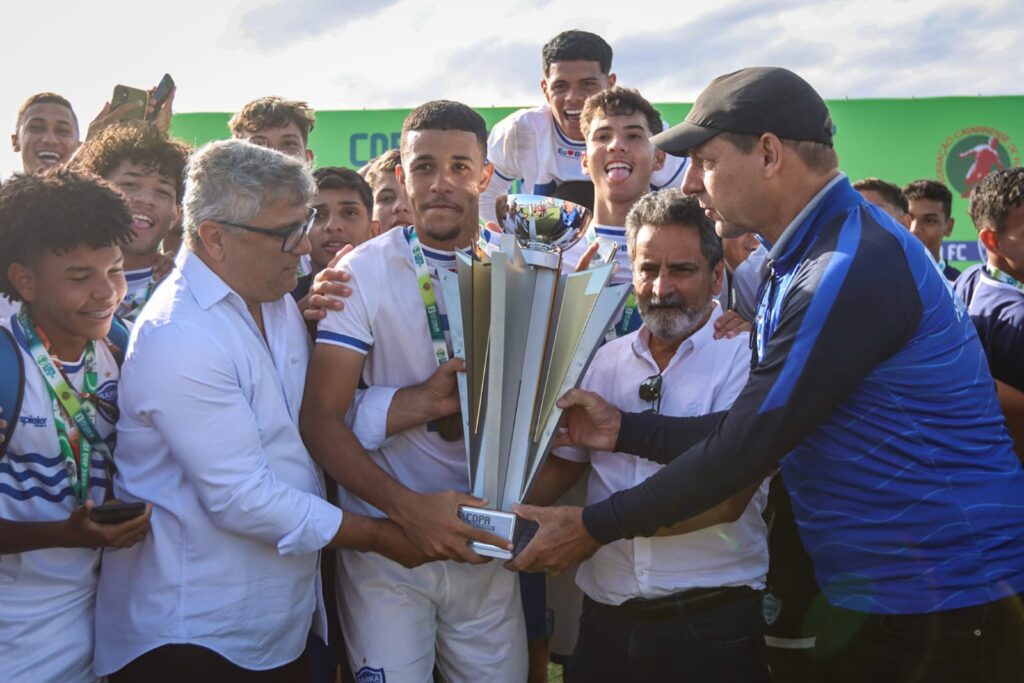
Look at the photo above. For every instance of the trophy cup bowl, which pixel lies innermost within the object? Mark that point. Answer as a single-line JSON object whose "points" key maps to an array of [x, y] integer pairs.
{"points": [[540, 222], [527, 329]]}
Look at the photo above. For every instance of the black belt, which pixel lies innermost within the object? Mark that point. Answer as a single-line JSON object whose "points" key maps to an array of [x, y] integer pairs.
{"points": [[687, 603]]}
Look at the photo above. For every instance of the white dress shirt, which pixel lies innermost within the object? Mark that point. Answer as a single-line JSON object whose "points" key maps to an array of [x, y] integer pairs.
{"points": [[704, 376], [209, 434]]}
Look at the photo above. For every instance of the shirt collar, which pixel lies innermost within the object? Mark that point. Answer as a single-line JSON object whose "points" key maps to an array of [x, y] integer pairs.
{"points": [[206, 286], [776, 251], [700, 337]]}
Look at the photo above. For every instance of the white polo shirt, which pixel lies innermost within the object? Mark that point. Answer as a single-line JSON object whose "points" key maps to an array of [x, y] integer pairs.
{"points": [[209, 434], [705, 376], [386, 320], [529, 145], [47, 596]]}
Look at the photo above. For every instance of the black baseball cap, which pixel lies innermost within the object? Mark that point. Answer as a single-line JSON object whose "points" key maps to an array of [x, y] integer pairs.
{"points": [[763, 99]]}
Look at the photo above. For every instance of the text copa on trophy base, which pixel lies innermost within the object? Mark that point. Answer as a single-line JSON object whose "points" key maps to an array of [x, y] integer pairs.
{"points": [[527, 327]]}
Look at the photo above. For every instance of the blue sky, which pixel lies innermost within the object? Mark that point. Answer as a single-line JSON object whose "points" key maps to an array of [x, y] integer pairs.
{"points": [[354, 54]]}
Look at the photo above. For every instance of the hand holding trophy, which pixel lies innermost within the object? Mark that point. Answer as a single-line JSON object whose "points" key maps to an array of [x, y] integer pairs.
{"points": [[527, 328]]}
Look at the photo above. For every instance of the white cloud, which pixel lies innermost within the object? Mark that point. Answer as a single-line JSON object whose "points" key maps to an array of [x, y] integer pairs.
{"points": [[351, 54]]}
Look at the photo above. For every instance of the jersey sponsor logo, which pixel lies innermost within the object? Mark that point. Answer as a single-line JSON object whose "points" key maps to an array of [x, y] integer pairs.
{"points": [[569, 153], [107, 404], [32, 420], [972, 153], [370, 675]]}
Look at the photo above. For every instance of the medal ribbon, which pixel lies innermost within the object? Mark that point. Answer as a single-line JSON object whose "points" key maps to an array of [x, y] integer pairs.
{"points": [[999, 275], [77, 453], [419, 262]]}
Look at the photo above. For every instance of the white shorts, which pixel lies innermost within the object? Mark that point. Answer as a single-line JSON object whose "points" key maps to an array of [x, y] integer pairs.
{"points": [[396, 619]]}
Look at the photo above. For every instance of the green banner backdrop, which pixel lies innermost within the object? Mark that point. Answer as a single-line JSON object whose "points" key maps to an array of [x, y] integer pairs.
{"points": [[953, 139]]}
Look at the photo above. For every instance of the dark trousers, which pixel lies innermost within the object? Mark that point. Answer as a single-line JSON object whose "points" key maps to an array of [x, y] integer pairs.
{"points": [[980, 644], [195, 664], [720, 644]]}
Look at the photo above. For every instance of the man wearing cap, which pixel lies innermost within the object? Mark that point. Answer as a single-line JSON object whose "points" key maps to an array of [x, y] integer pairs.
{"points": [[869, 390]]}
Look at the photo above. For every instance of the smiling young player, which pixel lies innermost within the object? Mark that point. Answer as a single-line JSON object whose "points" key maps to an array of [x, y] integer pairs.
{"points": [[543, 146], [62, 262], [147, 168], [46, 132]]}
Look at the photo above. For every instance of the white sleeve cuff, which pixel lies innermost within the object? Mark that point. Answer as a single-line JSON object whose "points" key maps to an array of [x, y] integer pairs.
{"points": [[317, 530], [368, 415], [572, 454]]}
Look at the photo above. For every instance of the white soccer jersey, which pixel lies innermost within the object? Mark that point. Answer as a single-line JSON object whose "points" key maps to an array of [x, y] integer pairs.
{"points": [[466, 618], [385, 319], [47, 596], [529, 145]]}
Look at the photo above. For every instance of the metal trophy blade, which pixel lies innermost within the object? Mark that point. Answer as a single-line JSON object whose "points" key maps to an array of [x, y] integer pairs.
{"points": [[527, 327]]}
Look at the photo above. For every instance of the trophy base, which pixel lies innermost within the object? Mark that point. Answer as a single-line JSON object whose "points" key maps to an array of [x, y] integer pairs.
{"points": [[505, 524]]}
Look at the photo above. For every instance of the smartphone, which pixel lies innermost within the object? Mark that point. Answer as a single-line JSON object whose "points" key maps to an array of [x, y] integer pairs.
{"points": [[132, 100], [606, 251], [162, 92], [115, 513]]}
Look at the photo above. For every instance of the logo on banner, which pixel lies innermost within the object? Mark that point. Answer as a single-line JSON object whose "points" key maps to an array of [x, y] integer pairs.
{"points": [[972, 153]]}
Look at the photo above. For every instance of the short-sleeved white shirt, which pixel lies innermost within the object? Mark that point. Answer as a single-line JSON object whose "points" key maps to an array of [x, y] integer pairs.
{"points": [[704, 376], [529, 145], [48, 596], [385, 319]]}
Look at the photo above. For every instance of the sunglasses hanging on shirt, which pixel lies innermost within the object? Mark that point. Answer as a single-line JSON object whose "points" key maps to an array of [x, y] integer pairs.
{"points": [[650, 392]]}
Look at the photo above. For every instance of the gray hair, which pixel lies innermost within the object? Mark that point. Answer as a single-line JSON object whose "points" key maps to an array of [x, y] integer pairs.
{"points": [[233, 180], [672, 207]]}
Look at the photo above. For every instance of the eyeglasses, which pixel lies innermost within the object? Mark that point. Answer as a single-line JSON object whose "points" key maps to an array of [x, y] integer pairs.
{"points": [[650, 391], [290, 237]]}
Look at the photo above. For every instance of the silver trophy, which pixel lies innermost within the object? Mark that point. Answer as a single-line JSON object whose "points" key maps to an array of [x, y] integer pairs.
{"points": [[527, 327]]}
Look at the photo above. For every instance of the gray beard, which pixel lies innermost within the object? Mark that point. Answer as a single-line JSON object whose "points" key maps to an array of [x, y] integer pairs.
{"points": [[674, 323]]}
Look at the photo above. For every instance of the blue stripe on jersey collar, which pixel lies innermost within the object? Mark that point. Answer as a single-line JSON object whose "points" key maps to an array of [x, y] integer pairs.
{"points": [[439, 255], [576, 144], [838, 196], [434, 254], [136, 275]]}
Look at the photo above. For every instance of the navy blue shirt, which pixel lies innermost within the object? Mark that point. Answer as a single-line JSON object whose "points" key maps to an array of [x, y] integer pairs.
{"points": [[997, 311], [870, 391]]}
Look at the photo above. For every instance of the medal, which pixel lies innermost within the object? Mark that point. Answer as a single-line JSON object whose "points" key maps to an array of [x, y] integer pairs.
{"points": [[450, 427]]}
